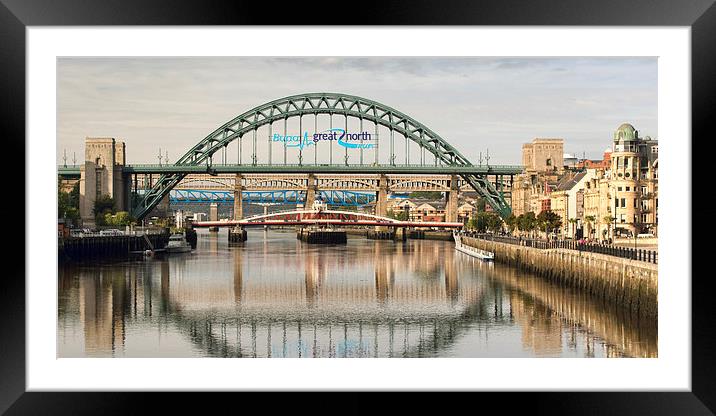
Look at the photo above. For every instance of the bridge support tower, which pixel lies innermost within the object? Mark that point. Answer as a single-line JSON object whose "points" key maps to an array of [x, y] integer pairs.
{"points": [[452, 197], [238, 200], [214, 216], [237, 235], [381, 201], [381, 209], [101, 174], [310, 191]]}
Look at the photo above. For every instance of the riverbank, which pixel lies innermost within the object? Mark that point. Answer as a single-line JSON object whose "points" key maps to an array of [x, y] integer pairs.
{"points": [[629, 283], [109, 247]]}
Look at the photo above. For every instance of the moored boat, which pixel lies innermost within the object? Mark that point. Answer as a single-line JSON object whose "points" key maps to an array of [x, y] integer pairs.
{"points": [[471, 251], [178, 244]]}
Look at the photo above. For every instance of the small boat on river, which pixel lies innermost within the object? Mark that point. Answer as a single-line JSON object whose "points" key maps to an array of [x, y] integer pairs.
{"points": [[178, 244], [472, 251]]}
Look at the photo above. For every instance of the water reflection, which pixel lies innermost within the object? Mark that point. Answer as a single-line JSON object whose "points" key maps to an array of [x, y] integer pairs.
{"points": [[274, 296]]}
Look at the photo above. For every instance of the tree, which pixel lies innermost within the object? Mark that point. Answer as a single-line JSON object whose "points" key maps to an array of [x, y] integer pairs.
{"points": [[548, 221], [103, 205], [480, 204], [511, 223], [607, 220], [121, 218], [400, 214], [68, 203], [590, 219], [527, 222], [478, 222], [483, 221], [494, 221], [431, 195], [573, 221]]}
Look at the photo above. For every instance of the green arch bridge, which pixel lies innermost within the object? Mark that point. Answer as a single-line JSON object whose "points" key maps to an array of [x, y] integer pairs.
{"points": [[416, 149]]}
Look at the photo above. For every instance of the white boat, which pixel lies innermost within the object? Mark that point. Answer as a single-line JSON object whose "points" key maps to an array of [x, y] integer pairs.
{"points": [[472, 251], [178, 244]]}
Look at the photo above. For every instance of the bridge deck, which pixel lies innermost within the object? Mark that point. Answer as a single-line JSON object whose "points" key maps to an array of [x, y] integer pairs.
{"points": [[359, 223], [307, 168]]}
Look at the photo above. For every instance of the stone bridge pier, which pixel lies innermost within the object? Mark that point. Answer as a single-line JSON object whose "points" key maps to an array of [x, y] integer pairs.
{"points": [[214, 216], [238, 200], [310, 191], [452, 197], [381, 201]]}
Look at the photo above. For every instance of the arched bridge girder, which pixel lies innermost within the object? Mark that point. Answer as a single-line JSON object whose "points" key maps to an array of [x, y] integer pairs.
{"points": [[315, 104], [201, 183]]}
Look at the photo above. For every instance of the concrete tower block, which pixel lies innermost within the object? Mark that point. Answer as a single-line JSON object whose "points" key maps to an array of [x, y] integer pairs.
{"points": [[101, 174]]}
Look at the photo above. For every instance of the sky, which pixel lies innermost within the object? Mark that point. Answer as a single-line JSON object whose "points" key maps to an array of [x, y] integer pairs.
{"points": [[474, 103]]}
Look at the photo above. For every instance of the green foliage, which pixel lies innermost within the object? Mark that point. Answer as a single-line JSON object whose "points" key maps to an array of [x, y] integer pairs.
{"points": [[527, 222], [431, 195], [548, 221], [483, 221], [121, 218], [68, 203], [400, 214], [480, 204], [164, 222], [511, 222], [471, 224], [103, 205]]}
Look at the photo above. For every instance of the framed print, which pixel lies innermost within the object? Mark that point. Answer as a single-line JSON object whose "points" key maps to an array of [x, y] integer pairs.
{"points": [[438, 198]]}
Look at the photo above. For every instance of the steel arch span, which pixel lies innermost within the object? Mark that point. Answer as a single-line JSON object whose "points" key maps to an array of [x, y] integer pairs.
{"points": [[332, 104]]}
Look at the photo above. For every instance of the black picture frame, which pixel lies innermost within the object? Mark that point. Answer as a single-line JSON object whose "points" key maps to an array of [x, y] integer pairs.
{"points": [[16, 15]]}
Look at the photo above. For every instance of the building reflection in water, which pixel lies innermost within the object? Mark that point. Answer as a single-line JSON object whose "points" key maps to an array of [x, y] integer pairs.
{"points": [[274, 296]]}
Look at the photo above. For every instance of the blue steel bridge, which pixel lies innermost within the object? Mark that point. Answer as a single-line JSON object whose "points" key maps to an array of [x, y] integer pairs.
{"points": [[314, 136], [330, 197]]}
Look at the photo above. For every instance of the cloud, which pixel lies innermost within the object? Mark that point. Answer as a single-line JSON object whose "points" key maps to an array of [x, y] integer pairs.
{"points": [[475, 103]]}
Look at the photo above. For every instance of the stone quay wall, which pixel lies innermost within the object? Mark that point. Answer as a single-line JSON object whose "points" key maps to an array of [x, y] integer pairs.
{"points": [[629, 283]]}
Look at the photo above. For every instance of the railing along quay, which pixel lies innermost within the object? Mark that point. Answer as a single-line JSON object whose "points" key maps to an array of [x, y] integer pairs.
{"points": [[649, 256]]}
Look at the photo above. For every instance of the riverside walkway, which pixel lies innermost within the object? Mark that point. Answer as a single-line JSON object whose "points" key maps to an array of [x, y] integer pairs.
{"points": [[649, 256]]}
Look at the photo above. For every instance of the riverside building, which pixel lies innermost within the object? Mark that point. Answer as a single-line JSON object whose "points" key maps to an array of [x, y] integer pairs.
{"points": [[614, 197]]}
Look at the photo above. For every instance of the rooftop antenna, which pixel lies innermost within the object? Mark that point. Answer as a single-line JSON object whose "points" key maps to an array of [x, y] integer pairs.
{"points": [[65, 157], [487, 158], [480, 157], [166, 157], [74, 158], [160, 156]]}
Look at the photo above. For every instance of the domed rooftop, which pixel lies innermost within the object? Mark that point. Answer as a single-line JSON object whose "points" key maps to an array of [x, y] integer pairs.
{"points": [[625, 132], [626, 127]]}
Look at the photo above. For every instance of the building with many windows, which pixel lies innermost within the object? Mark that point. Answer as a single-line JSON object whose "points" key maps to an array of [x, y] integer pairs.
{"points": [[617, 196], [543, 155], [567, 201], [633, 182]]}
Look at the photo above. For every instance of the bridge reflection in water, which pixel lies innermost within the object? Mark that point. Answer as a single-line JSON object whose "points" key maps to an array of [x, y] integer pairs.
{"points": [[277, 297]]}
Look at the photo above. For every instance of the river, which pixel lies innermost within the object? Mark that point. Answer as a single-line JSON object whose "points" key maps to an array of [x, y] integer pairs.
{"points": [[274, 296]]}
